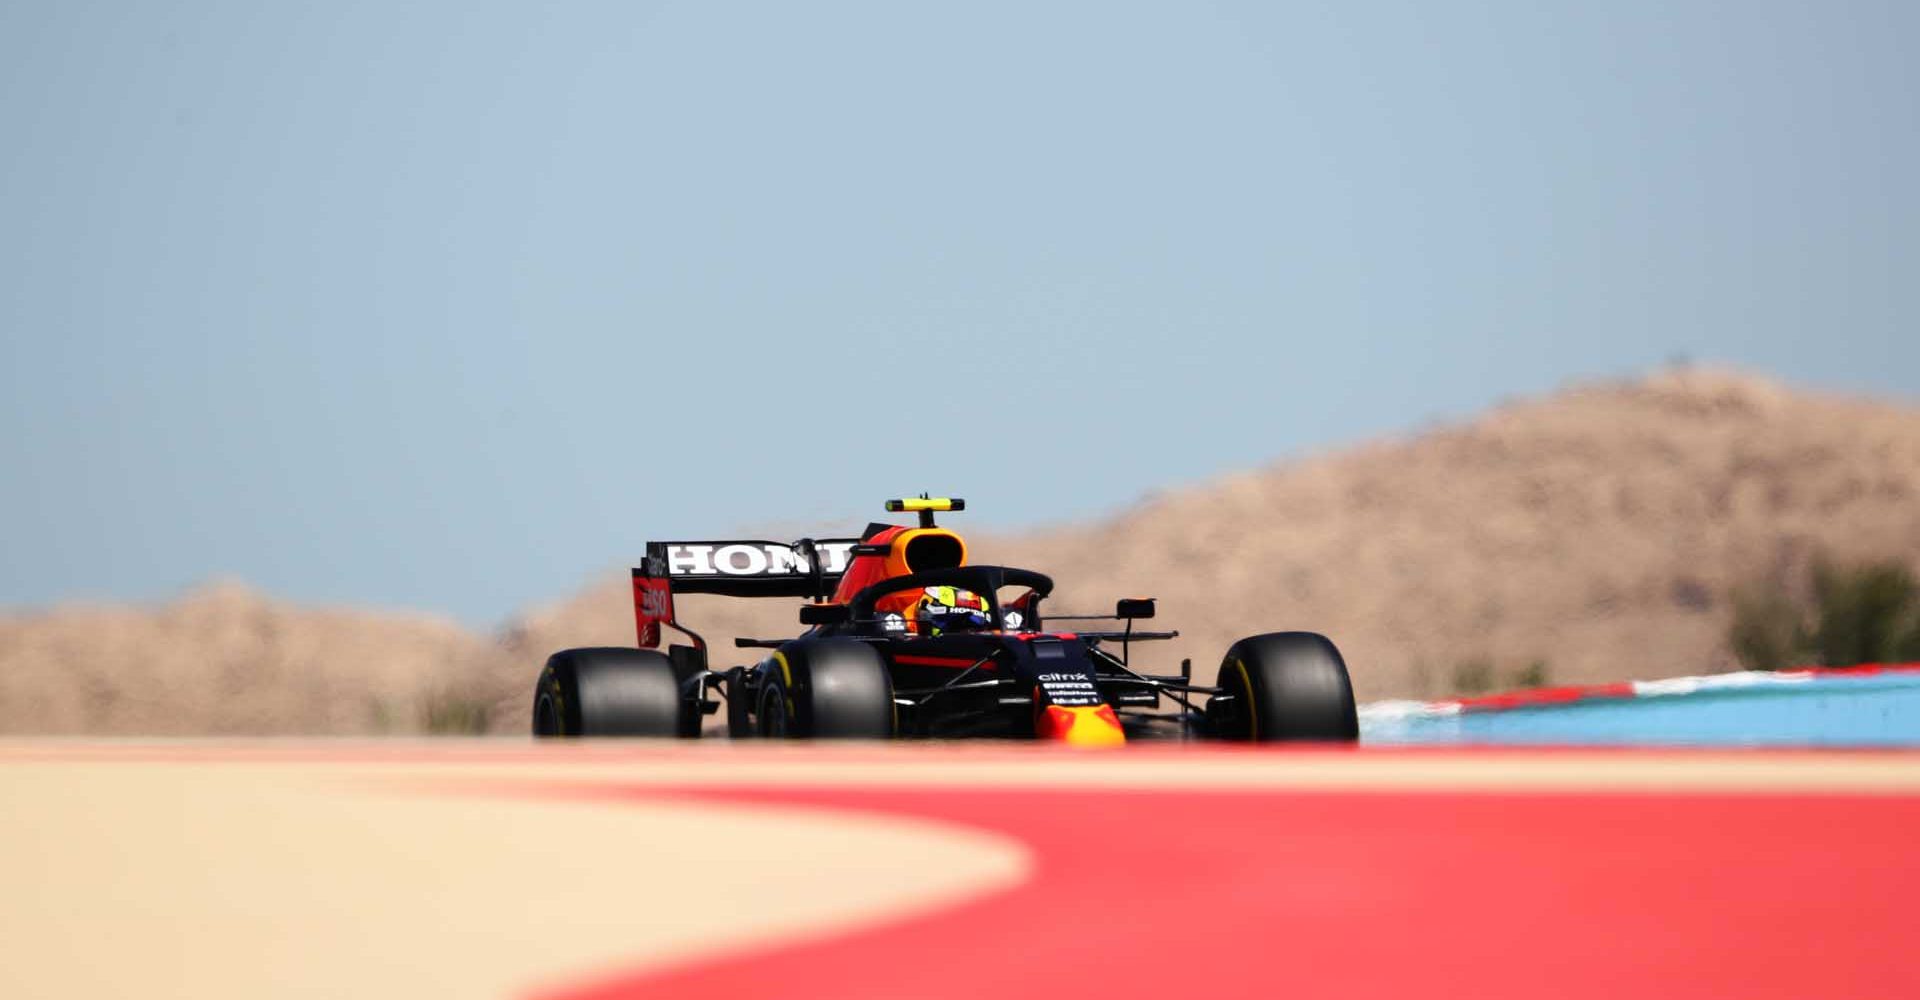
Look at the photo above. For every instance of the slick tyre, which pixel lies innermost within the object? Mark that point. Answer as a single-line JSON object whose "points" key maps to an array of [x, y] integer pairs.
{"points": [[612, 691], [831, 689], [1285, 686]]}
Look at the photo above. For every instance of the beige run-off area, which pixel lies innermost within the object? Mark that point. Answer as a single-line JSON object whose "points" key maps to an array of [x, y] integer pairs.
{"points": [[244, 881]]}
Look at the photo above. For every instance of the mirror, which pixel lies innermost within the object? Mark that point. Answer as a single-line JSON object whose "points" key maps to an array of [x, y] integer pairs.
{"points": [[1134, 607], [824, 614]]}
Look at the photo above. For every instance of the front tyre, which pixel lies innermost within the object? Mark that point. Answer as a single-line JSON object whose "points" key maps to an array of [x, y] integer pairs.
{"points": [[1284, 686], [830, 689], [612, 691]]}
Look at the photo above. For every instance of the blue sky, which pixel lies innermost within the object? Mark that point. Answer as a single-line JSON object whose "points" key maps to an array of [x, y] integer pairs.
{"points": [[447, 306]]}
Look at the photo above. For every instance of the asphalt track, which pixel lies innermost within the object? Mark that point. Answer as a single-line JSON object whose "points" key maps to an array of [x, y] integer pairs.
{"points": [[673, 871]]}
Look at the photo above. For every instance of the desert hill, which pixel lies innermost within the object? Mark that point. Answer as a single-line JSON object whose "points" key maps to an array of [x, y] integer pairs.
{"points": [[1597, 531], [225, 660]]}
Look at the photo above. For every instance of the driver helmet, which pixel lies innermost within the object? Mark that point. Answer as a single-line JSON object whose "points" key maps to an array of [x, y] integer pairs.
{"points": [[942, 609]]}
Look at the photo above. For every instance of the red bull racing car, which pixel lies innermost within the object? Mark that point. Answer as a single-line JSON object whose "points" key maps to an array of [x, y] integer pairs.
{"points": [[907, 638]]}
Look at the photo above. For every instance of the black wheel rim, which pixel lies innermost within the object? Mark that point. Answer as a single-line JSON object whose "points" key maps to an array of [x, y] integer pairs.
{"points": [[773, 712], [546, 716], [1238, 714]]}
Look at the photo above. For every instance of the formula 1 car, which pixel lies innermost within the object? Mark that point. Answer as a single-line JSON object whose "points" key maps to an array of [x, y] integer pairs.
{"points": [[905, 637]]}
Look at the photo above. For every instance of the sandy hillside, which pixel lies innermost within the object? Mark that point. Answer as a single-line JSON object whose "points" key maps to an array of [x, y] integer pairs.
{"points": [[225, 660], [1598, 529]]}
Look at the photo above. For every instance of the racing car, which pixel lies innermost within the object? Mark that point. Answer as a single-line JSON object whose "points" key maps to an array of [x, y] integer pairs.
{"points": [[905, 637]]}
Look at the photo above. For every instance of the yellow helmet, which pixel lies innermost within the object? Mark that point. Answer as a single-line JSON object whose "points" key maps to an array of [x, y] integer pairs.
{"points": [[942, 609]]}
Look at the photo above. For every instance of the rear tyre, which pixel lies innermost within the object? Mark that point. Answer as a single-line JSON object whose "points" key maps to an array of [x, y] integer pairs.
{"points": [[612, 691], [1284, 686], [830, 689]]}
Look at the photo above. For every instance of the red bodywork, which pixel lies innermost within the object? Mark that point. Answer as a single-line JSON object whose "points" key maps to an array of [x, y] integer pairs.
{"points": [[652, 606]]}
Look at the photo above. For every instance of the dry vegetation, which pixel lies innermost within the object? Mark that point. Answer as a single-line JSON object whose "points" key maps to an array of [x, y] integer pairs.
{"points": [[1594, 534]]}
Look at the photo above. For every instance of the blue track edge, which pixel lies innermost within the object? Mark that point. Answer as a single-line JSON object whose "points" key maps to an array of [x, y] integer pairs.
{"points": [[1878, 710]]}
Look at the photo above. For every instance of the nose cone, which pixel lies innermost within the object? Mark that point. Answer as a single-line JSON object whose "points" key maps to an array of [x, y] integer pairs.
{"points": [[1080, 726]]}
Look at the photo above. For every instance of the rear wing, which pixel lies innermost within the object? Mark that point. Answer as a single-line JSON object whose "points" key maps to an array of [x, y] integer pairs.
{"points": [[808, 568]]}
